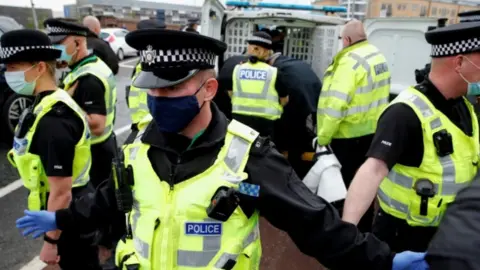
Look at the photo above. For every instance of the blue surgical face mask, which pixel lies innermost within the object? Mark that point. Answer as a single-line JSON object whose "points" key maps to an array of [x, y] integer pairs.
{"points": [[473, 87], [64, 56], [16, 81], [173, 114]]}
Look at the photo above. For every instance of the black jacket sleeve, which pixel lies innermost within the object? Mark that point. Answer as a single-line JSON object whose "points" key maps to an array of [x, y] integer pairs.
{"points": [[313, 224], [91, 211], [103, 50], [458, 236]]}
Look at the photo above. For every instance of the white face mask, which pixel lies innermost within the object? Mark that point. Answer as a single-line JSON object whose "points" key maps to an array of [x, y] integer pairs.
{"points": [[16, 81], [473, 87]]}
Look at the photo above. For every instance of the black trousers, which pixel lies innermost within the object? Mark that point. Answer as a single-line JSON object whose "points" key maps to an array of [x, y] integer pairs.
{"points": [[351, 155], [102, 155], [399, 235], [77, 253]]}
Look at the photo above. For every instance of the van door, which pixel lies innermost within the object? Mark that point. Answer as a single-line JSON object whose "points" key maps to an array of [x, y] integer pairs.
{"points": [[402, 41], [326, 42], [212, 17]]}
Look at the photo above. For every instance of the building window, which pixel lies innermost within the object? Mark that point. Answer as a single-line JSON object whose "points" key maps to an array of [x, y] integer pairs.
{"points": [[443, 12], [452, 13], [414, 7], [434, 11], [423, 11]]}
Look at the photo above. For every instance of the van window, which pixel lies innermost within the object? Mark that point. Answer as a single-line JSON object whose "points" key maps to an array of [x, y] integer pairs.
{"points": [[120, 34], [104, 35]]}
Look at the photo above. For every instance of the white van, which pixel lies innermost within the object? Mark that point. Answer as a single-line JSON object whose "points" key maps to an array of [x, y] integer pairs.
{"points": [[314, 37]]}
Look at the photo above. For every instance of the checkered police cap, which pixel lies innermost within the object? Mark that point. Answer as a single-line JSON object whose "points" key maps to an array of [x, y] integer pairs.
{"points": [[472, 18], [454, 39], [171, 58], [163, 48], [8, 52], [57, 30], [454, 48], [26, 45], [62, 27]]}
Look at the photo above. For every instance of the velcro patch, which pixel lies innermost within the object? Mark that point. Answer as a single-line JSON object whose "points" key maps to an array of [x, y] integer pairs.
{"points": [[249, 189]]}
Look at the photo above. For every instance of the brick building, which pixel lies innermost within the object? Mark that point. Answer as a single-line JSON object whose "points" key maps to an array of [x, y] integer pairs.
{"points": [[133, 9], [362, 9]]}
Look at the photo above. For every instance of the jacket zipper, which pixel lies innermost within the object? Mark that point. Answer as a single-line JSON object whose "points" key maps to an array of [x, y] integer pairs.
{"points": [[167, 243]]}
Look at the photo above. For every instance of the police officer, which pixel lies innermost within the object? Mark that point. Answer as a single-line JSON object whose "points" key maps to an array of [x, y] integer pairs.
{"points": [[426, 146], [136, 97], [355, 90], [92, 85], [200, 183], [100, 47], [51, 149], [258, 96], [192, 26]]}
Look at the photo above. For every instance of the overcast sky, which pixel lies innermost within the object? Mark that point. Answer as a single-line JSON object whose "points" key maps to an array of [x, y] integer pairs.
{"points": [[57, 5]]}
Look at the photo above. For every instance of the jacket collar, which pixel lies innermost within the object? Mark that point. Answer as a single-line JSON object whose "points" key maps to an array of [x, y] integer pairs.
{"points": [[352, 47], [177, 143]]}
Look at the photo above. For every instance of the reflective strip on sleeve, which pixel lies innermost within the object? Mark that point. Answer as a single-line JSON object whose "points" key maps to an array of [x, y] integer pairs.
{"points": [[353, 110]]}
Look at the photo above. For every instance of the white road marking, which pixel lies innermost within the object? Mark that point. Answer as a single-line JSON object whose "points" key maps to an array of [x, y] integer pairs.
{"points": [[35, 264], [18, 183], [124, 63]]}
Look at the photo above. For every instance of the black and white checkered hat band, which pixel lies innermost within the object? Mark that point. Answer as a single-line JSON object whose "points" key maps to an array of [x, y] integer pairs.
{"points": [[456, 47], [259, 39], [7, 52], [175, 57], [472, 18], [55, 30]]}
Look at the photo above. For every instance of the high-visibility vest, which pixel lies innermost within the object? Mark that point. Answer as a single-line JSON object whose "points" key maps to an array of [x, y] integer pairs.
{"points": [[100, 70], [137, 100], [30, 166], [170, 225], [254, 91], [449, 174], [355, 91]]}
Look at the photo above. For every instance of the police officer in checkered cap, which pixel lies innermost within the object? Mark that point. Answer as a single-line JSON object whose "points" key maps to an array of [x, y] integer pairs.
{"points": [[425, 148], [52, 142], [200, 182], [259, 111], [92, 85]]}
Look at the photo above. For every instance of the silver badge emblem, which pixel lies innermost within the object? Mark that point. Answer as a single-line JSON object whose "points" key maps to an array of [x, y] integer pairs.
{"points": [[149, 55]]}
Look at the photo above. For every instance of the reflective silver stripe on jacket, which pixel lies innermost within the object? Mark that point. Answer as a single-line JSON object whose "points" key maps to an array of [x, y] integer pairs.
{"points": [[371, 85], [264, 95], [236, 152], [354, 110], [141, 107], [225, 257], [449, 186]]}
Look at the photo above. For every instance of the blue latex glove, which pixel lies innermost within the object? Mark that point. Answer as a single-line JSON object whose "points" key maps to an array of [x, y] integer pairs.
{"points": [[409, 260], [37, 223]]}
